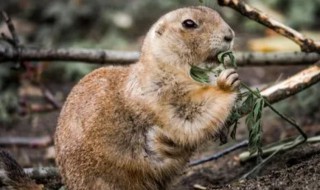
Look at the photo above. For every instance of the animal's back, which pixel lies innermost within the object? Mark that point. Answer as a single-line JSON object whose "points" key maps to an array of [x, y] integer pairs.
{"points": [[100, 138], [78, 154]]}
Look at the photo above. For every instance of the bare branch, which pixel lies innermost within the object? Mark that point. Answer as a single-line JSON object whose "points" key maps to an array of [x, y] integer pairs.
{"points": [[13, 175], [220, 154], [127, 57], [272, 59], [306, 44], [79, 55], [245, 156], [42, 174], [288, 87], [33, 142], [15, 40], [49, 97], [293, 85]]}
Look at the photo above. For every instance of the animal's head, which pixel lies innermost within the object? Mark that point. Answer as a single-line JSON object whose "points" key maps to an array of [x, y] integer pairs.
{"points": [[189, 36]]}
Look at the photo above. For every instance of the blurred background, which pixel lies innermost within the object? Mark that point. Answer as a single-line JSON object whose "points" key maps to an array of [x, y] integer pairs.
{"points": [[30, 99]]}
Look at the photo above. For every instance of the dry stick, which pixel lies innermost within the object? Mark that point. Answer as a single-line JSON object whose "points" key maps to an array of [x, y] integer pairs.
{"points": [[49, 97], [245, 156], [33, 142], [126, 57], [14, 40], [38, 173], [220, 154], [97, 56], [41, 108], [273, 150], [294, 84], [306, 44]]}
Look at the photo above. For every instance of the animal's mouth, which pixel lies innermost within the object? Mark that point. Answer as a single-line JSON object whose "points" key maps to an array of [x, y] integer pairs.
{"points": [[213, 56]]}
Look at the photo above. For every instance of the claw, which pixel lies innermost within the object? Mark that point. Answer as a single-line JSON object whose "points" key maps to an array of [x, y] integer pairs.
{"points": [[228, 80]]}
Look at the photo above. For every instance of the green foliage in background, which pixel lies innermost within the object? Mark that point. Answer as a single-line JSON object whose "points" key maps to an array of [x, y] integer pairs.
{"points": [[8, 94], [299, 14]]}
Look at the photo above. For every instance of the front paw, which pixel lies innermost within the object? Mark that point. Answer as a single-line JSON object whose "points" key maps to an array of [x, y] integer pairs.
{"points": [[228, 80]]}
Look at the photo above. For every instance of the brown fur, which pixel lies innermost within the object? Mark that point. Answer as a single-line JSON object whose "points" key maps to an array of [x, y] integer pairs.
{"points": [[136, 127]]}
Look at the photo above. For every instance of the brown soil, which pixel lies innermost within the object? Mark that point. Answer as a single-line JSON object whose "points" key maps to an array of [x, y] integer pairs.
{"points": [[296, 169]]}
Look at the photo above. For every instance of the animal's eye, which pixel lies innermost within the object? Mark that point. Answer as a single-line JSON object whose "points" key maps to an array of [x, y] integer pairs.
{"points": [[189, 24]]}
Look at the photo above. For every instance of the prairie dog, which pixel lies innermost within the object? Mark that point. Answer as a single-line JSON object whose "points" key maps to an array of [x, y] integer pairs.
{"points": [[136, 127]]}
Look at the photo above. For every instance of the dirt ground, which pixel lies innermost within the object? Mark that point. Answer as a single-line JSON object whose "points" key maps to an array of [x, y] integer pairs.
{"points": [[296, 169]]}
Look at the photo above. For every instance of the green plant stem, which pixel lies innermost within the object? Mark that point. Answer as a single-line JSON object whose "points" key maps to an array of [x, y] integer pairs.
{"points": [[277, 148], [304, 135], [245, 156], [274, 150], [261, 164]]}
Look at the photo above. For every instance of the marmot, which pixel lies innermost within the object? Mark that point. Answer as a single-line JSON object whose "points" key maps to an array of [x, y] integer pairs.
{"points": [[136, 127]]}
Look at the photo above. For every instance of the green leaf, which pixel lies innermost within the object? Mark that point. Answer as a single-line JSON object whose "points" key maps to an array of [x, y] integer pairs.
{"points": [[199, 74], [221, 57], [234, 130], [254, 124]]}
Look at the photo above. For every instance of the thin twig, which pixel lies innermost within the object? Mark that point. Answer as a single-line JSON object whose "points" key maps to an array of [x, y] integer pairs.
{"points": [[43, 175], [220, 154], [286, 118], [245, 156], [38, 173], [33, 142], [11, 28], [97, 56], [49, 97], [14, 40], [306, 44], [273, 150]]}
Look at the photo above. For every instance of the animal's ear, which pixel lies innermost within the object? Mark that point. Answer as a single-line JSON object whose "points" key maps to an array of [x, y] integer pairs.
{"points": [[160, 29]]}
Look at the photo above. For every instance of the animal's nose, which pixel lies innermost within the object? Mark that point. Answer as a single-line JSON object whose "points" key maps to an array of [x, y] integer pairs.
{"points": [[228, 36]]}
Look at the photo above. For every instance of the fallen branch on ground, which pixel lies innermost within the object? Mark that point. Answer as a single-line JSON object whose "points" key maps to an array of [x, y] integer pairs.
{"points": [[306, 44], [39, 174], [220, 154], [245, 156]]}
